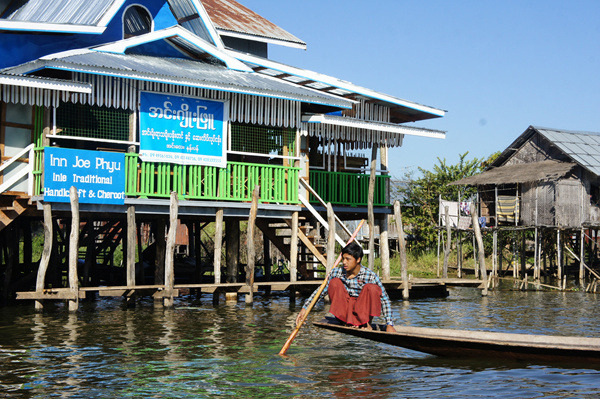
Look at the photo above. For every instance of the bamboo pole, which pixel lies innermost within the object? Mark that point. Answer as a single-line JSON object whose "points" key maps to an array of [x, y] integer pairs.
{"points": [[74, 249], [480, 252], [251, 252], [45, 260], [170, 251], [292, 336], [402, 243]]}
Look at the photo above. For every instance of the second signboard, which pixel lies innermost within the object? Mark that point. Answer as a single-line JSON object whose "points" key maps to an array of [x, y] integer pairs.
{"points": [[183, 130]]}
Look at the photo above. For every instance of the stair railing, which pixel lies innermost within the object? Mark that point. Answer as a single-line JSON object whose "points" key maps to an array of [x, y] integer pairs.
{"points": [[20, 174], [322, 202], [314, 212]]}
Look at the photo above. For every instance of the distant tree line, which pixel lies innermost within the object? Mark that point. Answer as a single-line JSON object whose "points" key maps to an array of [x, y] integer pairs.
{"points": [[419, 196]]}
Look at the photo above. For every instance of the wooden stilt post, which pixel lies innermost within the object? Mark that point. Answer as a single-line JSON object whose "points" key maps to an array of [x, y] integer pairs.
{"points": [[218, 245], [294, 251], [458, 254], [523, 254], [495, 253], [218, 251], [439, 233], [159, 272], [481, 250], [475, 253], [74, 250], [251, 251], [448, 241], [131, 241], [384, 248], [370, 207], [559, 260], [47, 251], [402, 244], [581, 257], [170, 251], [330, 238], [267, 257], [196, 229], [232, 249]]}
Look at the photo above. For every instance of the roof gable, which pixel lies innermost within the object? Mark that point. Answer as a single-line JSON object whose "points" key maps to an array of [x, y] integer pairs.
{"points": [[186, 44], [582, 148], [233, 19]]}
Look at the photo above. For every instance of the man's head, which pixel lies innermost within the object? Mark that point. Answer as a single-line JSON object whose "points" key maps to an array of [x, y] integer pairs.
{"points": [[354, 250], [351, 256]]}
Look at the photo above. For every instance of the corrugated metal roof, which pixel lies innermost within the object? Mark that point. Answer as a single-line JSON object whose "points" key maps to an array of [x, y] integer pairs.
{"points": [[582, 147], [229, 15], [182, 72], [519, 173], [78, 12], [400, 110]]}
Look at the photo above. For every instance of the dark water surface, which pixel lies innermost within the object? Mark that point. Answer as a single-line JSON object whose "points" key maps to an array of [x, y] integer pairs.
{"points": [[105, 350]]}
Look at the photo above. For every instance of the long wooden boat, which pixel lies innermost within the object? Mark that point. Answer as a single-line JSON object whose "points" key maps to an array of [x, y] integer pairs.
{"points": [[481, 344]]}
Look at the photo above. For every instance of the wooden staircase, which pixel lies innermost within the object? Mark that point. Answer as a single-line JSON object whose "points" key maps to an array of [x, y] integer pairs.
{"points": [[311, 253], [11, 207]]}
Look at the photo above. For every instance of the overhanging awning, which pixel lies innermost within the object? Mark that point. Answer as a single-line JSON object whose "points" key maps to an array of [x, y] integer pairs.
{"points": [[45, 83], [519, 173], [373, 126]]}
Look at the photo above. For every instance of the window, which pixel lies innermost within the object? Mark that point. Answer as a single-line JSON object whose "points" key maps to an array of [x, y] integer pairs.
{"points": [[93, 122], [136, 21]]}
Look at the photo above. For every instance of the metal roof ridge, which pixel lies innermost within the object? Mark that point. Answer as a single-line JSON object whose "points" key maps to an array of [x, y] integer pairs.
{"points": [[120, 46]]}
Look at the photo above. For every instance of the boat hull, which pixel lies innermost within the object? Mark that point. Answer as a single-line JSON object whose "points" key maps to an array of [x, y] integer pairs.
{"points": [[480, 344]]}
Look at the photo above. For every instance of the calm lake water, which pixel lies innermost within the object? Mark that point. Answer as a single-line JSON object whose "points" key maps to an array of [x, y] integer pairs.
{"points": [[196, 350]]}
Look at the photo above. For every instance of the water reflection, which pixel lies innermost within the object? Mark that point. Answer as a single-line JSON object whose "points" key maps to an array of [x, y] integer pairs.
{"points": [[197, 350]]}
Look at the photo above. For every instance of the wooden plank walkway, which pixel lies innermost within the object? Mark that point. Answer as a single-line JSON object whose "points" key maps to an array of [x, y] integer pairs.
{"points": [[159, 291]]}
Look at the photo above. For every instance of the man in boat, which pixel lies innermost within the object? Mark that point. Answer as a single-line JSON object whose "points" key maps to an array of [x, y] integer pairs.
{"points": [[356, 293]]}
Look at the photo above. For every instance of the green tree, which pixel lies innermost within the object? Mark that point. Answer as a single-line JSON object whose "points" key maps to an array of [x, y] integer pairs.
{"points": [[420, 197]]}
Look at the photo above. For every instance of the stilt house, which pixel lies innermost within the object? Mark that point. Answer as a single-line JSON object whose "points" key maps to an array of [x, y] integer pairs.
{"points": [[548, 181], [131, 100]]}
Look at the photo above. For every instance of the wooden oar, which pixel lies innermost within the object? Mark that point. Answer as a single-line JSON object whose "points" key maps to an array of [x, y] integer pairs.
{"points": [[287, 344]]}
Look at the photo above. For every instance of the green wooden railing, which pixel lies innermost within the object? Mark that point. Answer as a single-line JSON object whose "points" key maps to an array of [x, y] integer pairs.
{"points": [[351, 189], [278, 184]]}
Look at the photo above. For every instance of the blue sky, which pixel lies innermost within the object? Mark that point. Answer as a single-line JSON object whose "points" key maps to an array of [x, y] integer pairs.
{"points": [[495, 66]]}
